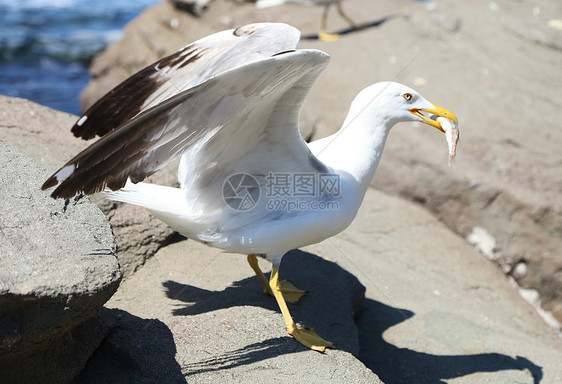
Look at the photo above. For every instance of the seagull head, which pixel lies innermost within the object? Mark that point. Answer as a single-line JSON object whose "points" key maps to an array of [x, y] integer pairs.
{"points": [[399, 103]]}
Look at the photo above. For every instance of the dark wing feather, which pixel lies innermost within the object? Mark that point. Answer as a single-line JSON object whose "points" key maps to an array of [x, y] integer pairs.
{"points": [[182, 70], [236, 103]]}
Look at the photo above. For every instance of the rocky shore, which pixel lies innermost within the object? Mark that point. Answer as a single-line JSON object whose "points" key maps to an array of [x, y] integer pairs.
{"points": [[418, 289]]}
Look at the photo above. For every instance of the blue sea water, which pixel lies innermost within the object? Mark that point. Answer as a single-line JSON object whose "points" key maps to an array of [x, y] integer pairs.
{"points": [[46, 45]]}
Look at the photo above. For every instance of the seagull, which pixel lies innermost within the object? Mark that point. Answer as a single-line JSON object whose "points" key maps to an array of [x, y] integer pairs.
{"points": [[322, 35], [227, 106]]}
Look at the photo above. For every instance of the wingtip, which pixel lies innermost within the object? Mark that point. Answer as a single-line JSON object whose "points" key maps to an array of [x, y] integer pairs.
{"points": [[82, 128], [57, 192], [50, 183], [84, 132], [59, 177]]}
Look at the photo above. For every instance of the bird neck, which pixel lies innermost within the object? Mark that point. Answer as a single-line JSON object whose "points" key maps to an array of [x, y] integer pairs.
{"points": [[357, 147]]}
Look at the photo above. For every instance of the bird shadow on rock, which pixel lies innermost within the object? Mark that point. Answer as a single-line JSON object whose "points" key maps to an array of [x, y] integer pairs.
{"points": [[250, 354], [360, 27], [328, 310], [335, 307], [127, 354], [396, 365]]}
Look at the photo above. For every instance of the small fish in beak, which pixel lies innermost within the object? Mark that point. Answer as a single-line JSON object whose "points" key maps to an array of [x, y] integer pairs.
{"points": [[451, 134]]}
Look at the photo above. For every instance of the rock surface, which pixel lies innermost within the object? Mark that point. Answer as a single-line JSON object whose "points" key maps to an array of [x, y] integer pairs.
{"points": [[44, 134], [496, 66], [435, 311], [57, 269], [186, 304]]}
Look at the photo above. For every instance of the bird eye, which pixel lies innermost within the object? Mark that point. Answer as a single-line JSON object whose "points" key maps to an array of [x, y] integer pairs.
{"points": [[407, 96]]}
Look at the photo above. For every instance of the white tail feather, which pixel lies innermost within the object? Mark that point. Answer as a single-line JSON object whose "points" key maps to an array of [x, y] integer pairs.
{"points": [[166, 203]]}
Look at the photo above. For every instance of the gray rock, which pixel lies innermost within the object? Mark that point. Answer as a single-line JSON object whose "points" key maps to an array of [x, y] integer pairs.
{"points": [[207, 313], [500, 182], [435, 309], [44, 134], [136, 351], [57, 268], [138, 234], [540, 32]]}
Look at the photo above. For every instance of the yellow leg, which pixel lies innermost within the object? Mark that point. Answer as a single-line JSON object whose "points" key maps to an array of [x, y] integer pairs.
{"points": [[323, 35], [291, 293], [306, 336]]}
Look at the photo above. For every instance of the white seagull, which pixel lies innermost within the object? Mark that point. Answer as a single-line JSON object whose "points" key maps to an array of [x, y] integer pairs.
{"points": [[228, 106], [322, 35]]}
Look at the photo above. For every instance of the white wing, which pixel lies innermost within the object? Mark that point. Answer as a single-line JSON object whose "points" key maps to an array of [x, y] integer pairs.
{"points": [[182, 70], [241, 120]]}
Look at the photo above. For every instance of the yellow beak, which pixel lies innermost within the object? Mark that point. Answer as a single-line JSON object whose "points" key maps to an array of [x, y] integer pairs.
{"points": [[437, 111]]}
